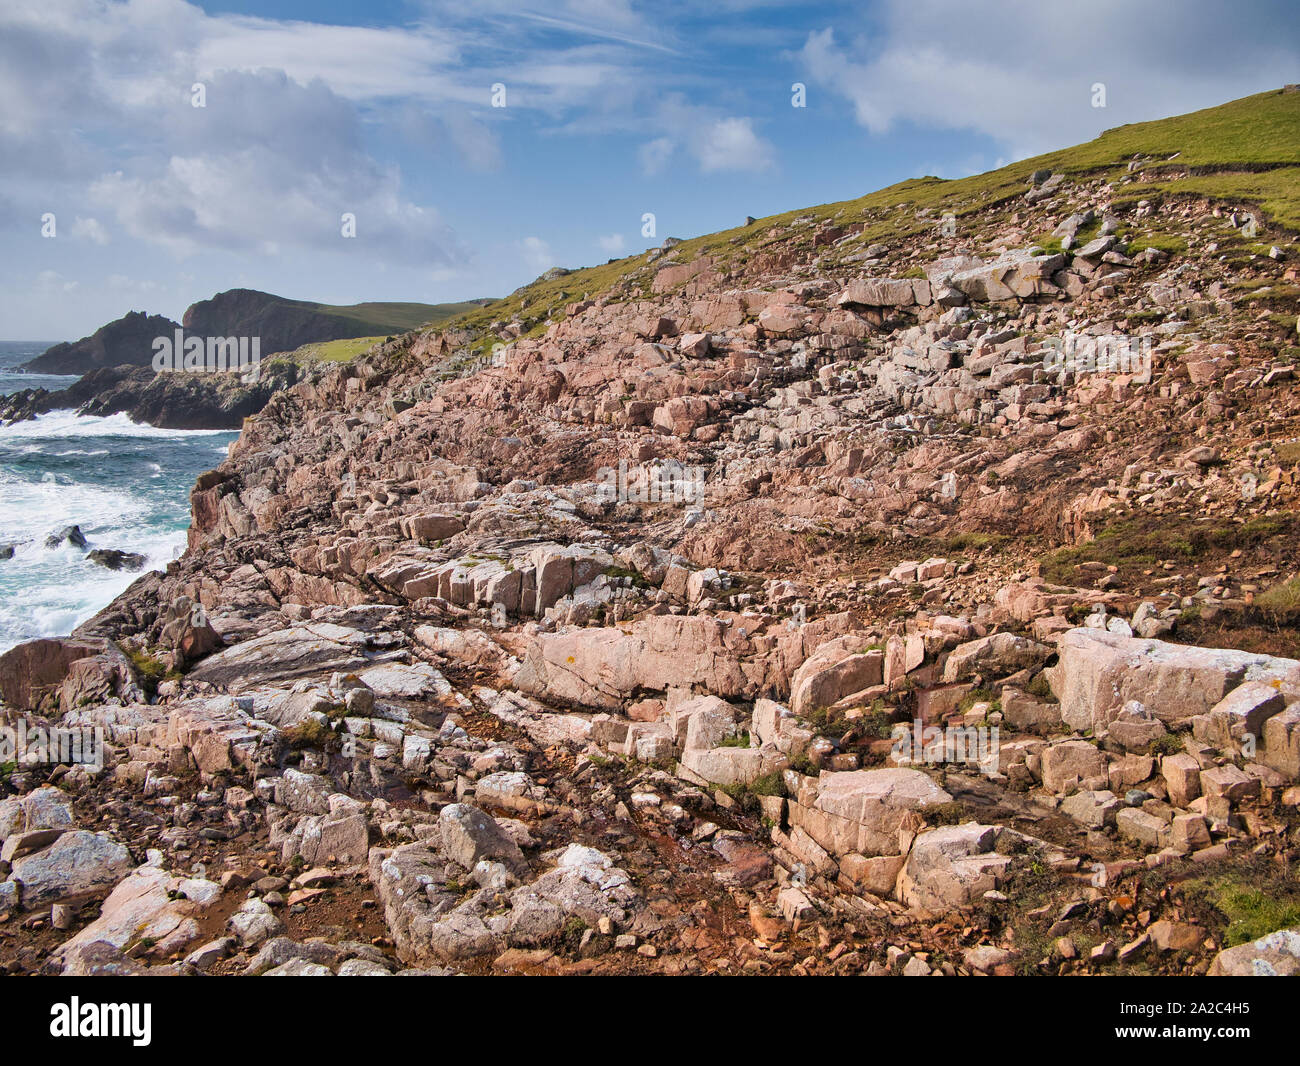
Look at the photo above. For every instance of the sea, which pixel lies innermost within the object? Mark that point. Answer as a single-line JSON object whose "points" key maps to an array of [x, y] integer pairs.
{"points": [[126, 485]]}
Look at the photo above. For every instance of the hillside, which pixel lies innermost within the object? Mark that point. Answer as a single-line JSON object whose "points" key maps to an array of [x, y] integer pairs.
{"points": [[285, 325], [847, 593], [125, 341], [1246, 151], [282, 324]]}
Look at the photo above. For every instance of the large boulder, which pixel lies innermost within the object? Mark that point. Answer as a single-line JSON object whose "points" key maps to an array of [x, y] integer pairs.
{"points": [[838, 669], [734, 766], [952, 866], [996, 655], [1014, 275], [1099, 672], [867, 812], [339, 836], [470, 835], [304, 650], [1070, 763], [604, 667], [77, 866], [1274, 955], [885, 292], [64, 673], [149, 904]]}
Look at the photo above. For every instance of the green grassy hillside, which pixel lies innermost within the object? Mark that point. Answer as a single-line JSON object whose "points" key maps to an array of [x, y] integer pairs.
{"points": [[399, 317], [1245, 151]]}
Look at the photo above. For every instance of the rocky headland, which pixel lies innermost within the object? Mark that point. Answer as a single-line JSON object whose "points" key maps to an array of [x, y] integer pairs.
{"points": [[902, 586]]}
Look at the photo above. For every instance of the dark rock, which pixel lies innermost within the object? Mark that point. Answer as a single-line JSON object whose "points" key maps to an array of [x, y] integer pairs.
{"points": [[128, 340], [71, 534], [116, 560], [168, 401]]}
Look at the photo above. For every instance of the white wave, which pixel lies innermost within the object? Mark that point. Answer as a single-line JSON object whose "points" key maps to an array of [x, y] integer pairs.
{"points": [[50, 592], [37, 508], [63, 424]]}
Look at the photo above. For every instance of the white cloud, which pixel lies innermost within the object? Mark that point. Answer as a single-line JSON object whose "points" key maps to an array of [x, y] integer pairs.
{"points": [[655, 155], [122, 283], [612, 243], [53, 281], [732, 144], [89, 229], [536, 253], [1021, 71], [717, 142]]}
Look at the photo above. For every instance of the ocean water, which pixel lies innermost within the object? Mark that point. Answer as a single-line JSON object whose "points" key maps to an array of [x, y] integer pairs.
{"points": [[126, 485]]}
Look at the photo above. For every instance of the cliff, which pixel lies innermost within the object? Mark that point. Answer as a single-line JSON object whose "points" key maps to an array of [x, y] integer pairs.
{"points": [[895, 586]]}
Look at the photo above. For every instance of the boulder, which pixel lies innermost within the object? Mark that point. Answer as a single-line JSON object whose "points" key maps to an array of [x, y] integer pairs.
{"points": [[836, 670], [1245, 711], [952, 866], [1070, 763], [149, 904], [1099, 672], [864, 811], [1274, 955], [996, 655], [113, 559], [470, 835], [77, 866]]}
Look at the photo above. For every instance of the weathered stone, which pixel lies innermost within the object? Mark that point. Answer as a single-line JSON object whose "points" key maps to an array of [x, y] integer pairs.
{"points": [[1182, 774], [1274, 955], [833, 672], [1093, 809], [952, 866], [77, 865], [1069, 763], [863, 811], [1245, 711], [995, 655], [1282, 742], [469, 834], [1141, 827], [1100, 672]]}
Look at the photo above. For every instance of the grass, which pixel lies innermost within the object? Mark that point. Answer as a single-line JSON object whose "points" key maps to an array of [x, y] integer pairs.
{"points": [[340, 351], [309, 733], [401, 317], [1142, 541], [1251, 913], [976, 541], [1039, 687], [1245, 151], [1281, 599], [1161, 242], [150, 671], [746, 796], [980, 695], [1169, 744]]}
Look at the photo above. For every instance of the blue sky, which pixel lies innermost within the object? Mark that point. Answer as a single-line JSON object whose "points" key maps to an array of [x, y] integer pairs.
{"points": [[613, 109]]}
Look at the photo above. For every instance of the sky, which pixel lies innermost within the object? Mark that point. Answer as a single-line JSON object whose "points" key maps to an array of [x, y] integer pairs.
{"points": [[474, 145]]}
